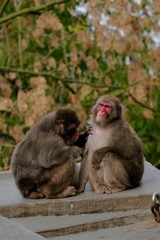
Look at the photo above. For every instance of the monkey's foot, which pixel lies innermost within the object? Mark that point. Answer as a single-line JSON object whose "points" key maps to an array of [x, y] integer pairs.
{"points": [[100, 189], [81, 189], [35, 195], [68, 192], [113, 189]]}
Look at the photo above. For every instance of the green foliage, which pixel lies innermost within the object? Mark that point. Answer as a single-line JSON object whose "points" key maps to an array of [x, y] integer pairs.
{"points": [[4, 153], [118, 75], [12, 120], [82, 58], [102, 63], [2, 60], [147, 132]]}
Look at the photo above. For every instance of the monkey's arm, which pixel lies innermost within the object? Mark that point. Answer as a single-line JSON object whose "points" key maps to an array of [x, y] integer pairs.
{"points": [[127, 155], [100, 152], [56, 152], [82, 139], [84, 172]]}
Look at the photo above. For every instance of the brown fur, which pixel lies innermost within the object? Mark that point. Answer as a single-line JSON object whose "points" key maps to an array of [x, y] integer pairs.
{"points": [[43, 163], [113, 159]]}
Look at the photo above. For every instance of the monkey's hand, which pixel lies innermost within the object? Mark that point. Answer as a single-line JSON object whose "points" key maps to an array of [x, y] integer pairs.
{"points": [[76, 152], [96, 159], [89, 130], [82, 139]]}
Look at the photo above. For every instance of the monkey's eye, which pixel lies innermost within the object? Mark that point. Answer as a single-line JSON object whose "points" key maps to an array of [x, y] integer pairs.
{"points": [[69, 133], [104, 106]]}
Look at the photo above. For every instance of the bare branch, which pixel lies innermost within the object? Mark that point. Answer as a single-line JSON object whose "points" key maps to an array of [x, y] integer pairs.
{"points": [[141, 104], [67, 81], [31, 10], [51, 75], [3, 7]]}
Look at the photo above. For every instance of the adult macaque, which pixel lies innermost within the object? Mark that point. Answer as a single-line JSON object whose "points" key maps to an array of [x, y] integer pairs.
{"points": [[113, 159], [43, 163]]}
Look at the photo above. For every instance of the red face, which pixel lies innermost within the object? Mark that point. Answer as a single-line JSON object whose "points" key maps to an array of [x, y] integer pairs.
{"points": [[70, 134], [104, 109], [75, 136]]}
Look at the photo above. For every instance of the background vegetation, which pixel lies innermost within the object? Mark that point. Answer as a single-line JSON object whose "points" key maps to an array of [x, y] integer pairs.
{"points": [[55, 53]]}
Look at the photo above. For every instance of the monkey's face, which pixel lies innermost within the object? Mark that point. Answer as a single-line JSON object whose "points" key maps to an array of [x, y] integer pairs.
{"points": [[68, 122], [70, 134], [105, 111]]}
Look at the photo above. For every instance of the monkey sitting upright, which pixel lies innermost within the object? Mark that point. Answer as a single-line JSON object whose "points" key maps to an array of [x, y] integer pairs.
{"points": [[113, 159], [43, 163]]}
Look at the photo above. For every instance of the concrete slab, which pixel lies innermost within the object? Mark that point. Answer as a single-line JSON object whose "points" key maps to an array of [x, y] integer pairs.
{"points": [[146, 230], [12, 204], [49, 226], [10, 230], [87, 211]]}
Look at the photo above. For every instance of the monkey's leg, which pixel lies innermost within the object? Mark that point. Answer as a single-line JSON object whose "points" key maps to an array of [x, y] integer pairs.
{"points": [[84, 173], [67, 192], [35, 195], [28, 186], [60, 180], [115, 174], [113, 189], [32, 193], [96, 180], [75, 181]]}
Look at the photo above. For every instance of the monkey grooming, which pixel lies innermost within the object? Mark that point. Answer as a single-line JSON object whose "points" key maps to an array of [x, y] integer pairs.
{"points": [[43, 163], [113, 159]]}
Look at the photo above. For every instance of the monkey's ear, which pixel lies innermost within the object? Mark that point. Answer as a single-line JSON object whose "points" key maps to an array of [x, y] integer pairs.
{"points": [[122, 107], [94, 108], [120, 110], [119, 107], [60, 123]]}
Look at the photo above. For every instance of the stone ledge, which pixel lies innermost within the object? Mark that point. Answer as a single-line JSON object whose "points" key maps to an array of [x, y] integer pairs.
{"points": [[145, 230], [10, 230], [12, 204], [91, 212], [50, 226]]}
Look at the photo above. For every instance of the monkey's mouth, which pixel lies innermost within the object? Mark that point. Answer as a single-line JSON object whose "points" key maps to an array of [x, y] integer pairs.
{"points": [[72, 134], [101, 114]]}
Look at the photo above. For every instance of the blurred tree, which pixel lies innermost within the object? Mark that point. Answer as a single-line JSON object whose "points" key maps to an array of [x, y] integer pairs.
{"points": [[69, 52]]}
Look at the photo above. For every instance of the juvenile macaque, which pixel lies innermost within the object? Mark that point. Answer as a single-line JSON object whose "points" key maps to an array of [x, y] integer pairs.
{"points": [[43, 163], [113, 159]]}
